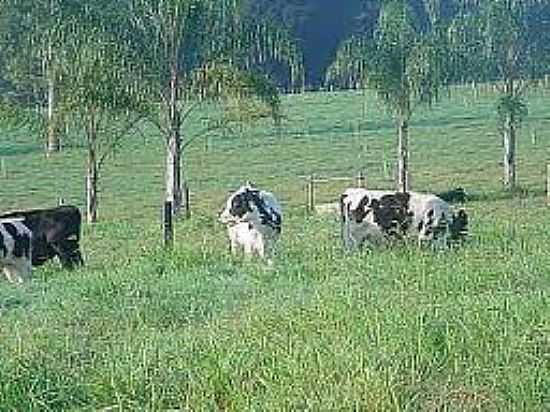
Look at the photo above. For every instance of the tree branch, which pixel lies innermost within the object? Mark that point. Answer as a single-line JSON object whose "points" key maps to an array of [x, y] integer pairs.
{"points": [[131, 124]]}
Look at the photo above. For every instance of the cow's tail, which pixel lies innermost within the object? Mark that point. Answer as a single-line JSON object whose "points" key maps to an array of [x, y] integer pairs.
{"points": [[343, 219]]}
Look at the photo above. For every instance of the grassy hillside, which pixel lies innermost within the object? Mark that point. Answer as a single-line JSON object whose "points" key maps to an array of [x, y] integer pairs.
{"points": [[397, 329]]}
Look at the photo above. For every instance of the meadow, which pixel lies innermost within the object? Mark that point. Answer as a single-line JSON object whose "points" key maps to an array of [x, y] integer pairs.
{"points": [[192, 328]]}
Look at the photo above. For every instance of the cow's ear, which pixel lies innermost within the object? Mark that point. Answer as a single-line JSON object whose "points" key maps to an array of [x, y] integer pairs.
{"points": [[375, 204]]}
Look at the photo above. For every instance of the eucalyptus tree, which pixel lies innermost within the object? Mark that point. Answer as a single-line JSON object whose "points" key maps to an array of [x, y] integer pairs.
{"points": [[103, 94], [511, 51], [35, 33], [402, 63], [203, 50]]}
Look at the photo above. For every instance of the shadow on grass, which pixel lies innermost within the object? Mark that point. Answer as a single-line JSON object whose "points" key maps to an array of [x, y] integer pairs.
{"points": [[20, 150], [519, 193]]}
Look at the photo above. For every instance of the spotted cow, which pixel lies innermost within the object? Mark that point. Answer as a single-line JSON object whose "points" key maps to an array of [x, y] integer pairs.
{"points": [[15, 250], [376, 216], [253, 218], [56, 232]]}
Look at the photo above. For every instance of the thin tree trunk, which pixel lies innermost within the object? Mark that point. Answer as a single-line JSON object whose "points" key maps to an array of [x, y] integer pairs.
{"points": [[403, 155], [173, 153], [92, 172], [509, 154], [53, 145], [509, 140]]}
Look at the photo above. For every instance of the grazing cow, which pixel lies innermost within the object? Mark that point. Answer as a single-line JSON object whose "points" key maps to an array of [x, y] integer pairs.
{"points": [[253, 218], [374, 216], [15, 250], [56, 232], [457, 195]]}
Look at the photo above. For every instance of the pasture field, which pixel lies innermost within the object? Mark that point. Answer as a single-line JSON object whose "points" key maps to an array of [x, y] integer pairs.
{"points": [[397, 329]]}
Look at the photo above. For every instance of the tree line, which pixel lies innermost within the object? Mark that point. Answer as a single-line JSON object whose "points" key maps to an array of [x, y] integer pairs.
{"points": [[103, 67], [408, 60]]}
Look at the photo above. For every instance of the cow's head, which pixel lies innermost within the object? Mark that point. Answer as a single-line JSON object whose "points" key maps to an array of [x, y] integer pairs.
{"points": [[240, 206], [459, 226]]}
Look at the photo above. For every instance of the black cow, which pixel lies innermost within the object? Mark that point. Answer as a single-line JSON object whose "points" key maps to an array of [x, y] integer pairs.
{"points": [[457, 195], [55, 232]]}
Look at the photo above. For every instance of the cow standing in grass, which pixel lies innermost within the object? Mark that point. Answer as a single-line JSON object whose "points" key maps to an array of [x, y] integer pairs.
{"points": [[55, 232], [373, 216], [376, 216], [254, 219], [15, 250]]}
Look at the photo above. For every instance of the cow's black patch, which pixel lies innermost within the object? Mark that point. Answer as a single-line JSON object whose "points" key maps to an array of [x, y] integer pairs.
{"points": [[391, 213], [362, 210], [3, 247], [21, 241], [240, 204], [11, 229], [267, 217]]}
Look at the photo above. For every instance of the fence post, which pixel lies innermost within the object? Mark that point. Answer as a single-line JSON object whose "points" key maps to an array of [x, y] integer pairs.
{"points": [[60, 201], [168, 228], [361, 180], [310, 194], [548, 184], [3, 169], [186, 201]]}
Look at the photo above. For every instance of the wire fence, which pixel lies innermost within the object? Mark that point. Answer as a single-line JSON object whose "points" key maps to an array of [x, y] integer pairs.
{"points": [[330, 138]]}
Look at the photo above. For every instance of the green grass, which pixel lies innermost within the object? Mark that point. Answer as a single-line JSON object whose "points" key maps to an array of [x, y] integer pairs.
{"points": [[398, 329]]}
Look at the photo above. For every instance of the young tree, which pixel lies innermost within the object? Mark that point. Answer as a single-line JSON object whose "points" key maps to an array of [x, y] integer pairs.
{"points": [[402, 63], [207, 40], [103, 95], [35, 34]]}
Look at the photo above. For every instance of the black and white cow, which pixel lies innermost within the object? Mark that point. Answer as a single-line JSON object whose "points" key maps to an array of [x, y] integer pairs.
{"points": [[15, 250], [254, 219], [374, 216], [55, 232]]}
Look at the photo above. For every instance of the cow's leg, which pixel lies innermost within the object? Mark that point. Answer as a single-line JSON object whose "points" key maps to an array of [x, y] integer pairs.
{"points": [[260, 247], [233, 246], [13, 274], [248, 248]]}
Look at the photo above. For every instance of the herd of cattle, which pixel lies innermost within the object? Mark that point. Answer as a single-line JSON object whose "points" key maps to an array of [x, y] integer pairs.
{"points": [[254, 220]]}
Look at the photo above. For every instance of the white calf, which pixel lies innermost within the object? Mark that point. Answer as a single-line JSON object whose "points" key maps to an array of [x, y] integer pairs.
{"points": [[253, 218], [15, 250]]}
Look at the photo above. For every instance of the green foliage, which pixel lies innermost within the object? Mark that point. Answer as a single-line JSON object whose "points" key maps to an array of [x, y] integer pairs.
{"points": [[210, 51], [244, 95], [511, 108], [401, 62]]}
